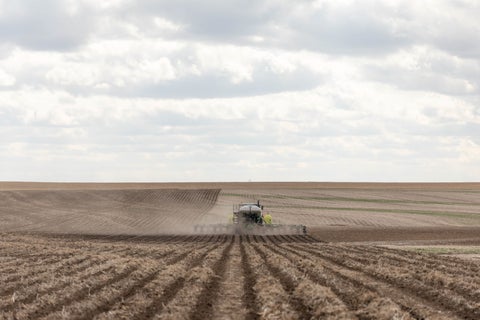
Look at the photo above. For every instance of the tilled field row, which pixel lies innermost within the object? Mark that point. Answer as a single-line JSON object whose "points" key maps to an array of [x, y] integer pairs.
{"points": [[103, 211], [228, 277]]}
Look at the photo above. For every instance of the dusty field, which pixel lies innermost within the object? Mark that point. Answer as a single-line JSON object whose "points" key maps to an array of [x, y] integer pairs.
{"points": [[122, 251], [176, 207], [122, 211]]}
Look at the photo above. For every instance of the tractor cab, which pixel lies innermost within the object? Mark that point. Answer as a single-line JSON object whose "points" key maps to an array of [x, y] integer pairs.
{"points": [[248, 213]]}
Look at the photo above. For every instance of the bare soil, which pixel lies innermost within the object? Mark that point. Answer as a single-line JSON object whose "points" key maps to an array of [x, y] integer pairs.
{"points": [[228, 277], [126, 251], [407, 235]]}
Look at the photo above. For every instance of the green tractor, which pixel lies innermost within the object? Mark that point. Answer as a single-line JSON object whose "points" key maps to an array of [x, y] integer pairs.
{"points": [[247, 218]]}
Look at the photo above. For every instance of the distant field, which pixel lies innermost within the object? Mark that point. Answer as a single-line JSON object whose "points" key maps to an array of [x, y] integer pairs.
{"points": [[176, 207], [126, 251]]}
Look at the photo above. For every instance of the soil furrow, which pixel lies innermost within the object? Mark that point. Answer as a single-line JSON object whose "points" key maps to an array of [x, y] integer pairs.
{"points": [[417, 272], [63, 301], [288, 285], [42, 269], [138, 300], [319, 299], [124, 291], [429, 297], [450, 266], [159, 302], [31, 295], [210, 294], [455, 277], [358, 291], [273, 301], [30, 284], [249, 297]]}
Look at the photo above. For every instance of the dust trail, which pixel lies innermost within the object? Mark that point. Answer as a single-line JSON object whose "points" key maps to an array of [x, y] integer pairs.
{"points": [[132, 211]]}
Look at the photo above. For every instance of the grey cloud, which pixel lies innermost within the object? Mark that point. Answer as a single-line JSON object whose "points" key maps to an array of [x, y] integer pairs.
{"points": [[29, 74], [468, 129], [211, 85], [457, 30], [157, 132], [9, 116], [375, 27], [204, 130], [218, 86], [418, 80], [433, 71], [5, 50], [428, 134], [226, 21], [459, 41], [357, 29], [351, 31], [125, 142], [336, 128], [44, 25]]}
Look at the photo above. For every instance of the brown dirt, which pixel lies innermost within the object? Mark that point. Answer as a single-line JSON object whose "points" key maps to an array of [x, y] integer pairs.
{"points": [[290, 277], [153, 208], [113, 251], [105, 211], [412, 235]]}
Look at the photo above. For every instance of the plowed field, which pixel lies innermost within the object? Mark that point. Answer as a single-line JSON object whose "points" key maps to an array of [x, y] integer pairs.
{"points": [[228, 277], [123, 252]]}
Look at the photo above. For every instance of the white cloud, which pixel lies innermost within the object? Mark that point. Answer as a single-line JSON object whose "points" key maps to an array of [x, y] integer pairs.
{"points": [[164, 24], [469, 151], [6, 79], [428, 69], [269, 90]]}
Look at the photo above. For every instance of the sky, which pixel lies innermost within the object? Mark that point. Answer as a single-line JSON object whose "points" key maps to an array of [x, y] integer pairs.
{"points": [[251, 90]]}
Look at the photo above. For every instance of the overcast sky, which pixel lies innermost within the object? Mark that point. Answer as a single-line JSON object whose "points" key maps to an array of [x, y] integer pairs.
{"points": [[276, 90]]}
